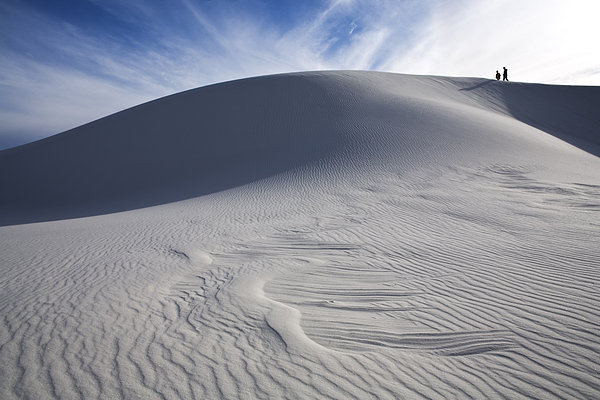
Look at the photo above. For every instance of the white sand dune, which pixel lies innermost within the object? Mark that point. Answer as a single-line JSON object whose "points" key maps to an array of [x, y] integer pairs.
{"points": [[346, 235]]}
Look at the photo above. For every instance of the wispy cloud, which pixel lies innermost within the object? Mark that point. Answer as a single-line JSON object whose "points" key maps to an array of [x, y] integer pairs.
{"points": [[548, 41], [59, 69]]}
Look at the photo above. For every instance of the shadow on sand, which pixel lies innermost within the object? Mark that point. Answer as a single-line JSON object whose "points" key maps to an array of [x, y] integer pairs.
{"points": [[176, 148], [569, 113], [482, 84]]}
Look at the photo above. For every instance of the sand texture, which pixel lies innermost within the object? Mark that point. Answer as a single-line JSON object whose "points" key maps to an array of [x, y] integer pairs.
{"points": [[319, 235]]}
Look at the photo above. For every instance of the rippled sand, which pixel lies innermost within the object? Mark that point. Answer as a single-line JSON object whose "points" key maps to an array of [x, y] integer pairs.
{"points": [[346, 235]]}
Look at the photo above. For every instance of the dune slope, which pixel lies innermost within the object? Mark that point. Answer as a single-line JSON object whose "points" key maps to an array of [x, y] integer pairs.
{"points": [[222, 136], [312, 235]]}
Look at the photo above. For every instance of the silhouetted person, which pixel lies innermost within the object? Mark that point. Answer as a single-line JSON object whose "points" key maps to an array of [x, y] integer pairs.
{"points": [[497, 75], [505, 75]]}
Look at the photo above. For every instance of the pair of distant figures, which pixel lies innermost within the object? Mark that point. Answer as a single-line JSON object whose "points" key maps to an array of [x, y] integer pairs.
{"points": [[504, 75]]}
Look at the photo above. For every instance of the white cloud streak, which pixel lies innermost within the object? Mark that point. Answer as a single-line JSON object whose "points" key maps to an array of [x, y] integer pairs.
{"points": [[549, 41]]}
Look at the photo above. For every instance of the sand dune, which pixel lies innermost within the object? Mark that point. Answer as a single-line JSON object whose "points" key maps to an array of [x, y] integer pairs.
{"points": [[312, 235]]}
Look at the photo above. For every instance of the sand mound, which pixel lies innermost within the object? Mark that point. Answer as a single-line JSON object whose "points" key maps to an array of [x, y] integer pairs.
{"points": [[223, 136], [314, 235]]}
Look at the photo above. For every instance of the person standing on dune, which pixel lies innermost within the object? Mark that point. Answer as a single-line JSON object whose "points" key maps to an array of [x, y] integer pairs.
{"points": [[497, 75], [505, 75]]}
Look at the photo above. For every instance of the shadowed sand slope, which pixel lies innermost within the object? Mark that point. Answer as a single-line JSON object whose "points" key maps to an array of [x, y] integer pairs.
{"points": [[340, 235], [222, 136], [186, 145], [568, 112]]}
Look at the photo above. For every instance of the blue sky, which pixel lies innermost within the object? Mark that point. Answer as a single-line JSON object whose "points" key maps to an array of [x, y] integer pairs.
{"points": [[67, 62]]}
